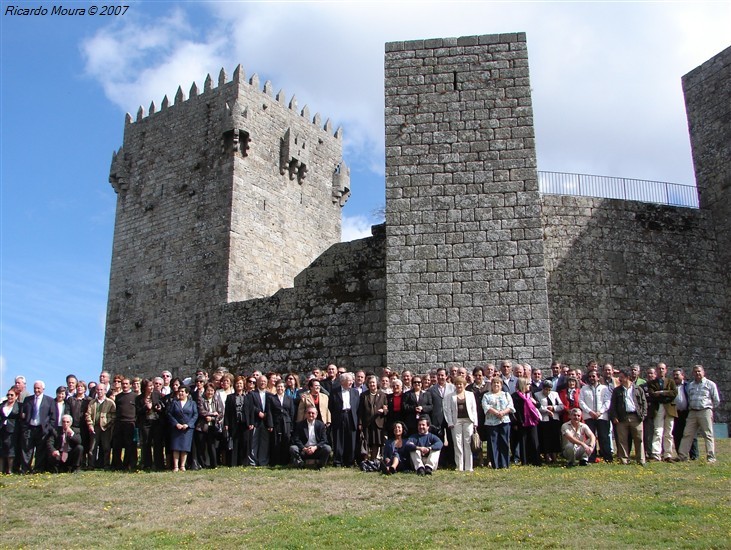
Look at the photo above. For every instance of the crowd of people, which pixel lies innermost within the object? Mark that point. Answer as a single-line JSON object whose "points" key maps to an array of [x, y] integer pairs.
{"points": [[490, 417]]}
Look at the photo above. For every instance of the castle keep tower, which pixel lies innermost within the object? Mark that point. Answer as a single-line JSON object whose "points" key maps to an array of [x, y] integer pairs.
{"points": [[221, 197], [464, 258]]}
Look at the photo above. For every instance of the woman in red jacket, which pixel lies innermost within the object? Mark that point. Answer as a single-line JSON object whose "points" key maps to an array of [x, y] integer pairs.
{"points": [[569, 397]]}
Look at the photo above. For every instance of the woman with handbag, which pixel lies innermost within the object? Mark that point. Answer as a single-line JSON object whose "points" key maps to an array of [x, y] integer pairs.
{"points": [[460, 412]]}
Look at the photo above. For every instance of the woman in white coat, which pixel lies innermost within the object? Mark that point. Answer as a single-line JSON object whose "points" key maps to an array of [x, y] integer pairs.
{"points": [[460, 412]]}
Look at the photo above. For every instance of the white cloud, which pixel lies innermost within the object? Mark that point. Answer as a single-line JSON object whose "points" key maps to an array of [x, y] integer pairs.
{"points": [[355, 227], [139, 62], [606, 77]]}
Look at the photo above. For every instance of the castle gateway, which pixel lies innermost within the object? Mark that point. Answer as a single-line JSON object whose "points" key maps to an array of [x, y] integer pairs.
{"points": [[226, 245]]}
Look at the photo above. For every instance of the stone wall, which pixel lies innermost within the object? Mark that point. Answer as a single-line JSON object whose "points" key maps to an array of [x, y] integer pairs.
{"points": [[707, 92], [635, 282], [464, 257], [335, 312], [226, 195]]}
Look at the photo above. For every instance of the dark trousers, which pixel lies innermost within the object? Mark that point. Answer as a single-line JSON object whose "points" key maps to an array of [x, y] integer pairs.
{"points": [[259, 446], [527, 437], [600, 428], [498, 445], [152, 445], [72, 463], [678, 428], [207, 445], [32, 443], [240, 447], [515, 444], [280, 449], [124, 440], [344, 438], [322, 454]]}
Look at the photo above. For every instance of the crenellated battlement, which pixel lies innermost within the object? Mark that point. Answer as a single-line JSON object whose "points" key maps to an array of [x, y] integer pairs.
{"points": [[238, 80], [225, 192]]}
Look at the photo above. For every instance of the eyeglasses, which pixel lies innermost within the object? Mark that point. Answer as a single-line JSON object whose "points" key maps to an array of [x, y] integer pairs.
{"points": [[251, 381]]}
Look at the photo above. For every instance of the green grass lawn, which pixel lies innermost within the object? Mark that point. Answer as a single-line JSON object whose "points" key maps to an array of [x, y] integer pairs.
{"points": [[601, 506]]}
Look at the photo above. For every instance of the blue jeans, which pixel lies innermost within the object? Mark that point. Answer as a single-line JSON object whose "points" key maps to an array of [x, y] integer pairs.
{"points": [[499, 445]]}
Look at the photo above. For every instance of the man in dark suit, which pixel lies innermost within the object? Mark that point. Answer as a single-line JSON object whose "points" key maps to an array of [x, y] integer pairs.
{"points": [[282, 413], [64, 447], [330, 382], [344, 401], [309, 440], [627, 410], [39, 419], [439, 392], [259, 416], [417, 403]]}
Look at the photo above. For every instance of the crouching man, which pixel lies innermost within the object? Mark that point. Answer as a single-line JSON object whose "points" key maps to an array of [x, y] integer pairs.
{"points": [[424, 448], [309, 440], [578, 440], [63, 447]]}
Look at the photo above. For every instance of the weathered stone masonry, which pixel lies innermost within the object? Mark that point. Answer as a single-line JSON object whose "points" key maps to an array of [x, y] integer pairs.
{"points": [[225, 196], [464, 256], [228, 217]]}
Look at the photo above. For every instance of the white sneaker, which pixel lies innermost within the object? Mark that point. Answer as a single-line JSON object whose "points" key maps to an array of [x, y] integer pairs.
{"points": [[711, 460]]}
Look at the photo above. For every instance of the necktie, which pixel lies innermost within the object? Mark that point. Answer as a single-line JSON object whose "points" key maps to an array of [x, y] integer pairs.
{"points": [[64, 448]]}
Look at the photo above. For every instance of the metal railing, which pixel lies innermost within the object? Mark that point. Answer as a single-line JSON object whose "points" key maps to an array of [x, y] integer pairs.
{"points": [[561, 183]]}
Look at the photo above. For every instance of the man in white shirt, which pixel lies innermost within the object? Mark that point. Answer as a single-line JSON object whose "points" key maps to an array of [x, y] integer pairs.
{"points": [[309, 440], [594, 402], [578, 441], [166, 378], [260, 423], [702, 399], [344, 401], [39, 416]]}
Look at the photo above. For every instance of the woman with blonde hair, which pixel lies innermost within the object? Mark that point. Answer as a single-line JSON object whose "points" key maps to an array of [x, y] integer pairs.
{"points": [[460, 412], [526, 422]]}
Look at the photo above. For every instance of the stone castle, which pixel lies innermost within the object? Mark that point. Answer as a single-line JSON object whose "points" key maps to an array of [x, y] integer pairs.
{"points": [[226, 246]]}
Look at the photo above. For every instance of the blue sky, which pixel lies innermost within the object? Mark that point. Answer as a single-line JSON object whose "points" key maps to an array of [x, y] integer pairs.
{"points": [[606, 95]]}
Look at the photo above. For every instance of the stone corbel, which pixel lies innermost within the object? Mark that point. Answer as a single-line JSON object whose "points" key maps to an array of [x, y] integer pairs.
{"points": [[118, 175], [293, 156], [341, 184]]}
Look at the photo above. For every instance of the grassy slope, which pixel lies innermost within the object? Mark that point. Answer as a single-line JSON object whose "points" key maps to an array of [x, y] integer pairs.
{"points": [[663, 505]]}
